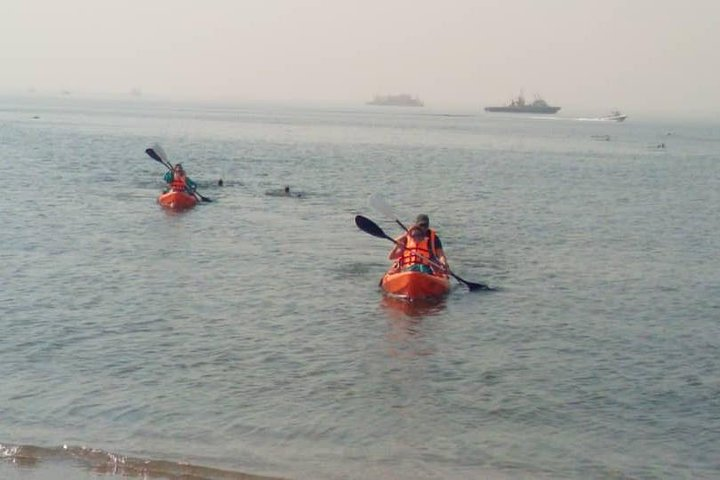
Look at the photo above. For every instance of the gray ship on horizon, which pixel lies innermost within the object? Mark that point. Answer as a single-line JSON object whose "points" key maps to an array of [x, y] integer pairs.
{"points": [[518, 105], [400, 100]]}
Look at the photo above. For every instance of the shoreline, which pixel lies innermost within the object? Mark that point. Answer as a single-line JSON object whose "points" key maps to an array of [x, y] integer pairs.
{"points": [[99, 462]]}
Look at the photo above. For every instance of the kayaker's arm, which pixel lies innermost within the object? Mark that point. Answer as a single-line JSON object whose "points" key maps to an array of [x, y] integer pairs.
{"points": [[399, 247], [441, 258]]}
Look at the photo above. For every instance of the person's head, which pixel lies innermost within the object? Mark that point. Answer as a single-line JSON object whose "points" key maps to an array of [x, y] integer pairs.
{"points": [[178, 168], [287, 188], [422, 221], [421, 226]]}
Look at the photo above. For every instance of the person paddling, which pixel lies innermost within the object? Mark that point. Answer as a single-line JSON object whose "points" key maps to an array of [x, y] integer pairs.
{"points": [[420, 249], [177, 180]]}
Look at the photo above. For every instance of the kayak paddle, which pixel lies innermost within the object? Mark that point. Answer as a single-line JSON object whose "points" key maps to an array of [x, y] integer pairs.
{"points": [[152, 152], [368, 226], [157, 153]]}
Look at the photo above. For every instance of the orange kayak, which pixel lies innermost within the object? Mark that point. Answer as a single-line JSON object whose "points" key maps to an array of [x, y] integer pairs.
{"points": [[177, 200], [414, 285]]}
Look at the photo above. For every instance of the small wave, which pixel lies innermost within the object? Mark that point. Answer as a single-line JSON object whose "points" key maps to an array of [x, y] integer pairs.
{"points": [[659, 146], [584, 119], [414, 308], [458, 115], [284, 193], [108, 463], [218, 183], [353, 269]]}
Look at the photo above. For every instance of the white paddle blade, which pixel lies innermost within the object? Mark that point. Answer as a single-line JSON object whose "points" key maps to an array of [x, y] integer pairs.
{"points": [[161, 153], [377, 202]]}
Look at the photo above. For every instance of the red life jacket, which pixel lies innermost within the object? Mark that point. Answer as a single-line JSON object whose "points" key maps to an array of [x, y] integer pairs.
{"points": [[178, 182], [425, 247]]}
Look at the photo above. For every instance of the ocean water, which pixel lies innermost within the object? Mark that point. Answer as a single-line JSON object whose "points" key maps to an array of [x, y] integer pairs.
{"points": [[249, 336]]}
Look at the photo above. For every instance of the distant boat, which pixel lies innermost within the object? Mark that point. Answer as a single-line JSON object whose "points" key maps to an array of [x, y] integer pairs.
{"points": [[518, 105], [615, 116], [400, 100]]}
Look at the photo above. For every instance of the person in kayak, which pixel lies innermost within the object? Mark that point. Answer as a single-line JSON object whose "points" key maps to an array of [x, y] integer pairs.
{"points": [[420, 248], [177, 180]]}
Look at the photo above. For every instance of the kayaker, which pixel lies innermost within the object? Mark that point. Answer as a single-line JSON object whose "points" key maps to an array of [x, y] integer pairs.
{"points": [[420, 248], [177, 179]]}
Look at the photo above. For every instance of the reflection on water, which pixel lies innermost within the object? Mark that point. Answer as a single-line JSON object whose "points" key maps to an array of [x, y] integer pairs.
{"points": [[172, 212], [398, 307], [405, 334]]}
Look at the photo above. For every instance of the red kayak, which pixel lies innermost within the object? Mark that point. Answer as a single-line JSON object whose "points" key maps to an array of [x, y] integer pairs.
{"points": [[177, 200], [414, 285]]}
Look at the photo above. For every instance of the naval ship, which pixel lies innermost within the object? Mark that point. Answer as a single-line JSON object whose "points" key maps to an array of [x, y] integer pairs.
{"points": [[518, 105]]}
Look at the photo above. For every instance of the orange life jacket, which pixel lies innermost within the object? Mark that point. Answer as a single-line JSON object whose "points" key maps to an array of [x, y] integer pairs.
{"points": [[425, 247], [178, 182]]}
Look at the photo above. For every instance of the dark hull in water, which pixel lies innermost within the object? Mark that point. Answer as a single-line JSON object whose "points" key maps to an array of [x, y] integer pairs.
{"points": [[527, 109]]}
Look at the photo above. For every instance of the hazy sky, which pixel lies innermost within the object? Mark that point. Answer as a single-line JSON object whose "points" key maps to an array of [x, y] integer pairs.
{"points": [[636, 55]]}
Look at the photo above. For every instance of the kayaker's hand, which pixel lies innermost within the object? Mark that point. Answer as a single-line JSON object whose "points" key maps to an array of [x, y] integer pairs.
{"points": [[444, 264]]}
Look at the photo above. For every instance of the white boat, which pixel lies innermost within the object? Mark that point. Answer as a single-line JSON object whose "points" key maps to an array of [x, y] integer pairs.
{"points": [[615, 116]]}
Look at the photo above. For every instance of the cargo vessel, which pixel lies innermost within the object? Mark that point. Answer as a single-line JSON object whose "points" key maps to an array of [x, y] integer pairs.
{"points": [[400, 100]]}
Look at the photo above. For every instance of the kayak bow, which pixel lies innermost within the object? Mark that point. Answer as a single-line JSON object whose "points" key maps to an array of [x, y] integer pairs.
{"points": [[414, 285], [177, 200]]}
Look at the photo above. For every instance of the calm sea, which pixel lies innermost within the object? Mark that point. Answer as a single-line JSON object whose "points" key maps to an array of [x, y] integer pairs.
{"points": [[249, 336]]}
